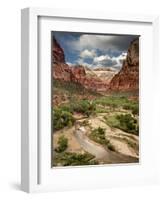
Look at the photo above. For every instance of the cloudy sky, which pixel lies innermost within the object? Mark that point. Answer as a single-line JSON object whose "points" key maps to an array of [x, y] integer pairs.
{"points": [[94, 50]]}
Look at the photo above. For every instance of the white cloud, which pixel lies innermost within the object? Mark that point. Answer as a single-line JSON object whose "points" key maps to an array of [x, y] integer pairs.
{"points": [[87, 53], [104, 60], [101, 58], [101, 42], [120, 59], [107, 61]]}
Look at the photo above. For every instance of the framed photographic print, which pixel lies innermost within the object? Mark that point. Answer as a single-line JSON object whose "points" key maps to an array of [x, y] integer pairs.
{"points": [[86, 97]]}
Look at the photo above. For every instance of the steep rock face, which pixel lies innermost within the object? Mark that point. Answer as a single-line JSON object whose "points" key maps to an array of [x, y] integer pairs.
{"points": [[61, 70], [58, 53], [128, 77], [77, 74]]}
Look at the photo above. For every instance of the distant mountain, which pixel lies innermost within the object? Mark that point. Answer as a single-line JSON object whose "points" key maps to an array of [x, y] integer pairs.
{"points": [[104, 73], [104, 69]]}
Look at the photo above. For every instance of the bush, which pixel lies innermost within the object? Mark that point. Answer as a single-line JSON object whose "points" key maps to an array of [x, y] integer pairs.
{"points": [[112, 101], [134, 107], [135, 110], [85, 123], [98, 135], [84, 107], [125, 122], [62, 144], [118, 102], [74, 159], [110, 146], [66, 108], [62, 119]]}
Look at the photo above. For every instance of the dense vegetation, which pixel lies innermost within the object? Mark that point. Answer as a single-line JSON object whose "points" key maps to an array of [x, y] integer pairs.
{"points": [[62, 118], [84, 107], [98, 135], [74, 159], [62, 144], [124, 122], [119, 102]]}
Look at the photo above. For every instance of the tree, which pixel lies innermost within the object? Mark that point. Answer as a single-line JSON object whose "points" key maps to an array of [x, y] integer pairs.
{"points": [[62, 144]]}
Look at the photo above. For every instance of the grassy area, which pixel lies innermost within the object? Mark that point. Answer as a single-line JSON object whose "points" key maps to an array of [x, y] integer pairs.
{"points": [[125, 122], [73, 159], [98, 135], [117, 102], [100, 109]]}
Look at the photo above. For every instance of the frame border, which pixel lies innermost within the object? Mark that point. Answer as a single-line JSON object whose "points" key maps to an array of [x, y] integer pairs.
{"points": [[30, 79]]}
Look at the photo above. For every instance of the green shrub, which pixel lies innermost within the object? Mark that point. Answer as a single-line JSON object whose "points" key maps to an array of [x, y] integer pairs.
{"points": [[66, 108], [135, 110], [85, 123], [118, 102], [62, 118], [98, 135], [112, 101], [125, 122], [62, 144], [110, 146], [127, 107], [133, 106], [84, 107], [74, 159]]}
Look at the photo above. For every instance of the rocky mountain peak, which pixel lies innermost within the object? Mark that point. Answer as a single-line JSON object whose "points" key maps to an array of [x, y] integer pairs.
{"points": [[58, 53], [128, 76]]}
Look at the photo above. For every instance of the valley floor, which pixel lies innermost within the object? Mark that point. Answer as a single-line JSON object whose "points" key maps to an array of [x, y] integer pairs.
{"points": [[91, 128], [121, 147]]}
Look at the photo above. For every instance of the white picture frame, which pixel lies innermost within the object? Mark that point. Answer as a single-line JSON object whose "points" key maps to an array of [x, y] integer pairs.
{"points": [[36, 171]]}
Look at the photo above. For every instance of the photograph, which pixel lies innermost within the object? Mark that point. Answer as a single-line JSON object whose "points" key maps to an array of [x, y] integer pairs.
{"points": [[94, 99]]}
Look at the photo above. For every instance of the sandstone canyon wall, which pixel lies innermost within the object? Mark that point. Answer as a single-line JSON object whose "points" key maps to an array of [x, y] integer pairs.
{"points": [[128, 77], [77, 74]]}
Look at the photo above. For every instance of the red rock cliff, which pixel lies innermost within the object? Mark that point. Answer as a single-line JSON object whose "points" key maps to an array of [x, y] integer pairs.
{"points": [[61, 70], [128, 77], [58, 53], [77, 74]]}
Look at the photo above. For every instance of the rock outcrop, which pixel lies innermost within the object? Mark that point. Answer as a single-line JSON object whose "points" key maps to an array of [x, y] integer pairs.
{"points": [[58, 53], [61, 71], [128, 77], [76, 74]]}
